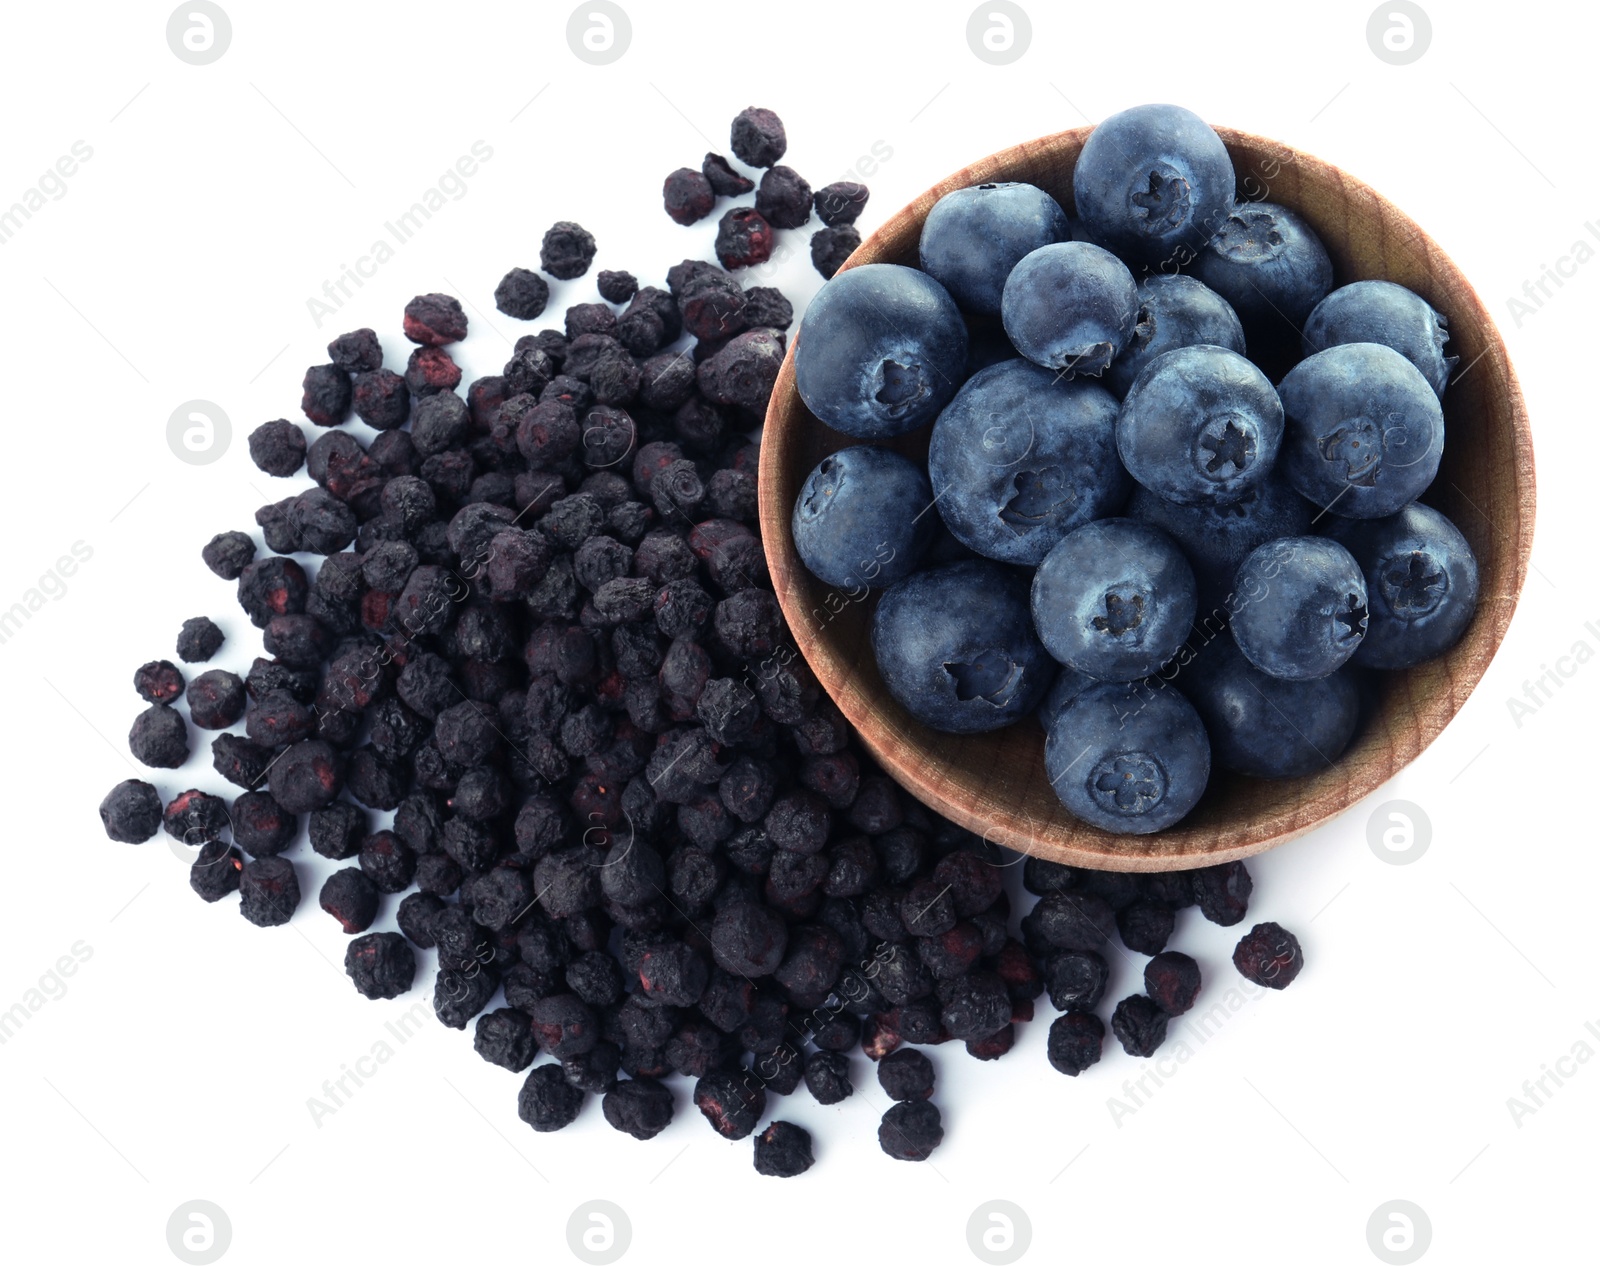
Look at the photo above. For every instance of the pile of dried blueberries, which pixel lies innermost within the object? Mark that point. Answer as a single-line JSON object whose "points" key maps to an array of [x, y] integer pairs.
{"points": [[525, 676]]}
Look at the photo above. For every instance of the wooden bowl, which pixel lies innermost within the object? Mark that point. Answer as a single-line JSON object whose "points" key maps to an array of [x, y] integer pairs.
{"points": [[995, 784]]}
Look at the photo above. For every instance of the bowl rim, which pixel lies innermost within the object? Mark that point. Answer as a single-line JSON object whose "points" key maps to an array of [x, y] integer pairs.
{"points": [[1468, 660]]}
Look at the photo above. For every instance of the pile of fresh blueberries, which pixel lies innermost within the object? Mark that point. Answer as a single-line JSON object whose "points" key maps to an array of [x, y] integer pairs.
{"points": [[1123, 527]]}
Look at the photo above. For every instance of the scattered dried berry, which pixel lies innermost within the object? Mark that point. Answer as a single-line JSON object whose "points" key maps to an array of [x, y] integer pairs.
{"points": [[198, 640], [1269, 955], [757, 137], [567, 250], [131, 812], [1140, 1025], [911, 1131], [687, 195], [1173, 981], [783, 1150], [522, 294], [434, 319]]}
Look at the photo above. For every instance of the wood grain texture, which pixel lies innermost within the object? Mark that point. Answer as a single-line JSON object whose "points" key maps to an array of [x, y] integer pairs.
{"points": [[994, 784]]}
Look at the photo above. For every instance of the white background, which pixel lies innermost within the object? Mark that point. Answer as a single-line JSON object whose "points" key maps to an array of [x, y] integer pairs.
{"points": [[178, 265]]}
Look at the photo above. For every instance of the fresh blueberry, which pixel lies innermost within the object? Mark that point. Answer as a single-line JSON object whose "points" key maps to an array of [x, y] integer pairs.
{"points": [[1153, 183], [1265, 726], [1174, 312], [1068, 685], [1216, 539], [973, 238], [1422, 584], [1269, 264], [1114, 599], [1070, 307], [1128, 757], [1383, 312], [1200, 426], [1018, 459], [1299, 607], [861, 520], [1365, 431], [956, 647], [880, 351]]}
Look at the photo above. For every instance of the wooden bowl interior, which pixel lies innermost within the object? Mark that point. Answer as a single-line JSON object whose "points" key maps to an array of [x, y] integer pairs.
{"points": [[994, 784]]}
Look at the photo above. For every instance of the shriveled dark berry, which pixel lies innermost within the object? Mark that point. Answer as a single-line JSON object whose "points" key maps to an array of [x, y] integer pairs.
{"points": [[1145, 926], [196, 817], [504, 1037], [743, 373], [387, 861], [159, 681], [827, 1076], [744, 238], [595, 1071], [766, 308], [308, 776], [831, 247], [567, 250], [216, 699], [731, 1101], [356, 351], [1074, 920], [131, 812], [1269, 955], [337, 830], [975, 1005], [415, 918], [1075, 979], [325, 395], [460, 993], [159, 738], [641, 1107], [1173, 981], [784, 198], [911, 1131], [522, 294], [379, 964], [260, 825], [616, 287], [725, 182], [687, 195], [1222, 892], [547, 1101], [434, 320], [906, 1074], [240, 761], [431, 370], [228, 553], [278, 448], [783, 1150], [840, 203], [757, 137], [381, 399], [563, 1025], [1075, 1041], [216, 870], [351, 898], [269, 893], [928, 909], [1140, 1025], [198, 640]]}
